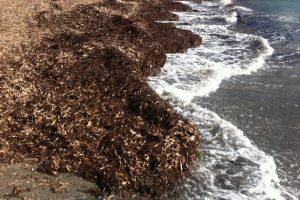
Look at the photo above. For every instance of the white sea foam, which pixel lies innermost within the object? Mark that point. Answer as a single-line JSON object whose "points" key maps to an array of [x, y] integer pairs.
{"points": [[234, 168], [231, 10], [228, 145], [289, 19], [209, 66], [226, 2], [242, 8], [231, 16]]}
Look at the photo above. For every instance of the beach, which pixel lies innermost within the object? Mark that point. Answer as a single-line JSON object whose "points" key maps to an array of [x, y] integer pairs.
{"points": [[137, 99]]}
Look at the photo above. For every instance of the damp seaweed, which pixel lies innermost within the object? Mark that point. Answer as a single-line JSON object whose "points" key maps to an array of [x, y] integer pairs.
{"points": [[78, 100]]}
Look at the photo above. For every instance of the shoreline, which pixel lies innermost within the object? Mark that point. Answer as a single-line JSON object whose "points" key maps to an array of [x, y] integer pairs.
{"points": [[75, 98]]}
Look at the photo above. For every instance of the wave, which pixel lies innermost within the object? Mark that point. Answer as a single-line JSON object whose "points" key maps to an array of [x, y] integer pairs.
{"points": [[208, 67], [232, 11], [288, 19], [233, 167], [244, 9], [226, 2]]}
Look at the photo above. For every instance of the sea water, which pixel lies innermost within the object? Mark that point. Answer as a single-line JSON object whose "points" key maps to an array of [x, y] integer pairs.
{"points": [[242, 87]]}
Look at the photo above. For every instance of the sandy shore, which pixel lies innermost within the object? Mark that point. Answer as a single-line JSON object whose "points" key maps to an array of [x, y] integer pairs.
{"points": [[75, 103]]}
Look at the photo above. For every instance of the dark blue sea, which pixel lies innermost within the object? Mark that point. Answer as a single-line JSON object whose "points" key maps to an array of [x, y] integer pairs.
{"points": [[242, 88]]}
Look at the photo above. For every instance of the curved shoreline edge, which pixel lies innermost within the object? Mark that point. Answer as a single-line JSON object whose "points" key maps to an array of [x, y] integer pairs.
{"points": [[75, 99]]}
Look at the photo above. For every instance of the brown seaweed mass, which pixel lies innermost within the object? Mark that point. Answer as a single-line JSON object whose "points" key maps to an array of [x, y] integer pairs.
{"points": [[74, 96]]}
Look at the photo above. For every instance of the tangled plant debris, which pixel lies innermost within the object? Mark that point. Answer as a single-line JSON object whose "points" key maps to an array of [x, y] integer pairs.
{"points": [[75, 98]]}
